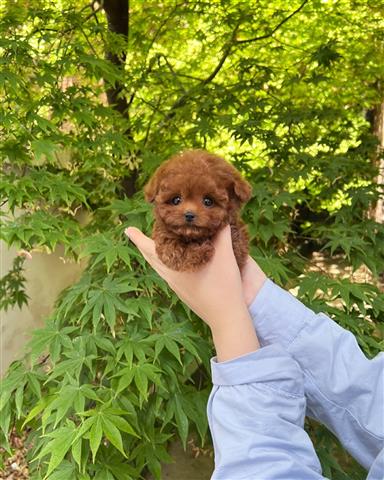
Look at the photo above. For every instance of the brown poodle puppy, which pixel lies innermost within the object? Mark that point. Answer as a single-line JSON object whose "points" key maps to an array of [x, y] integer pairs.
{"points": [[196, 194]]}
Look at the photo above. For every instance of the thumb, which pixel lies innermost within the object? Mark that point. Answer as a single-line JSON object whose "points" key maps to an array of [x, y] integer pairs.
{"points": [[223, 243], [142, 242]]}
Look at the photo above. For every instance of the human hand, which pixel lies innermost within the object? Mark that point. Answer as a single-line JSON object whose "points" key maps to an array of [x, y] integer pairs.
{"points": [[214, 293], [253, 279]]}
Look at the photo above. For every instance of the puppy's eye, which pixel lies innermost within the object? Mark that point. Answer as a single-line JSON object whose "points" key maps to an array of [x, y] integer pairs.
{"points": [[176, 200], [208, 201]]}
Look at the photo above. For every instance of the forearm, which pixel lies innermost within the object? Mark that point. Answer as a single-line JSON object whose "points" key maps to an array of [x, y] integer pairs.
{"points": [[344, 389], [234, 336], [256, 415]]}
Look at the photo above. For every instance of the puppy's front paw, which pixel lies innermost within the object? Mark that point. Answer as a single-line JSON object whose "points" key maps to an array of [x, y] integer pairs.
{"points": [[185, 257], [172, 254], [197, 255]]}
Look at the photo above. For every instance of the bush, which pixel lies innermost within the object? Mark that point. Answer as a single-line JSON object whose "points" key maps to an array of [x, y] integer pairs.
{"points": [[122, 367]]}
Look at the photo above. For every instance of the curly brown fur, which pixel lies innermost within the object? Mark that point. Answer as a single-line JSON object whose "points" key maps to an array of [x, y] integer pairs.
{"points": [[195, 194]]}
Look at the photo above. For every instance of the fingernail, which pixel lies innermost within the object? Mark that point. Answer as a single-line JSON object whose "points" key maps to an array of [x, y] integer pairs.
{"points": [[126, 232]]}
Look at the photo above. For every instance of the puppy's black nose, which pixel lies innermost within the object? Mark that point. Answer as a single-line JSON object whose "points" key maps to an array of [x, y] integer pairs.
{"points": [[189, 216]]}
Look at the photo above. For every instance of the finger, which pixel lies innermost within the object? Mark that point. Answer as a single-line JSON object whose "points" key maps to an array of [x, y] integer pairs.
{"points": [[223, 241], [142, 242], [147, 249]]}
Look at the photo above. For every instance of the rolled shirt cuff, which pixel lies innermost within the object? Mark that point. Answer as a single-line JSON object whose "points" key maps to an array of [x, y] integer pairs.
{"points": [[270, 366]]}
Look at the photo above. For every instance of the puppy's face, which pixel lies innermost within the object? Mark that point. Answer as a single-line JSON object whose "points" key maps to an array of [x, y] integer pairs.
{"points": [[192, 207], [195, 192]]}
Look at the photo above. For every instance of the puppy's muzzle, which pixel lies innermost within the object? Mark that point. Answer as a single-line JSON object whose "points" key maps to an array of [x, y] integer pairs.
{"points": [[189, 217]]}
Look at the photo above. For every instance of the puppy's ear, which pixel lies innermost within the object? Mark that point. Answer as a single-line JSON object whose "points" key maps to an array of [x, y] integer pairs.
{"points": [[239, 189], [151, 189], [242, 189]]}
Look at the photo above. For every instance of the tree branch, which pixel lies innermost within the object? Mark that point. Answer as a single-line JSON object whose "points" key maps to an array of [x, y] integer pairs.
{"points": [[267, 35], [170, 68], [225, 55], [183, 99]]}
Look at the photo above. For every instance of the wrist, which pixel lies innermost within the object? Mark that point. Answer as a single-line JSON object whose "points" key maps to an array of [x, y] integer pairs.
{"points": [[234, 336], [253, 279]]}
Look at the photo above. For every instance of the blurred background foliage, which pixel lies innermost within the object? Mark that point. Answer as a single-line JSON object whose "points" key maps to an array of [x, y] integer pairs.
{"points": [[94, 97]]}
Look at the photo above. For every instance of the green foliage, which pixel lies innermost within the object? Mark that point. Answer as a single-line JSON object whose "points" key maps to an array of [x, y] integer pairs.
{"points": [[12, 286], [122, 367], [112, 370]]}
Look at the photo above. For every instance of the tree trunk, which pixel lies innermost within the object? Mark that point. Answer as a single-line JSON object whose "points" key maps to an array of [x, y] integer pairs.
{"points": [[117, 12], [376, 118]]}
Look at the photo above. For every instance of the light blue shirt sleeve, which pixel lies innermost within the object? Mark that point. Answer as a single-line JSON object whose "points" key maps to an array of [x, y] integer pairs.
{"points": [[256, 414], [344, 389]]}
